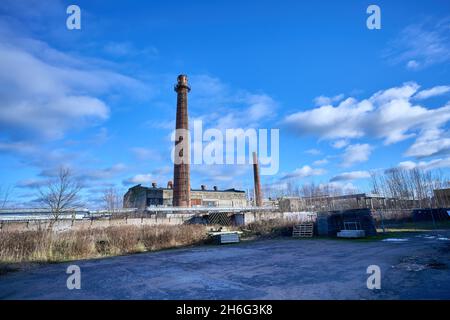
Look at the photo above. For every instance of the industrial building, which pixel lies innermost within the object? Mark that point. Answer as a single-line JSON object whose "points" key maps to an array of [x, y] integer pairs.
{"points": [[342, 202], [141, 197], [442, 197]]}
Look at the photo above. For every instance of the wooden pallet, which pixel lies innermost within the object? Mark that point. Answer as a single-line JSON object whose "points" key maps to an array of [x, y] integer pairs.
{"points": [[303, 230]]}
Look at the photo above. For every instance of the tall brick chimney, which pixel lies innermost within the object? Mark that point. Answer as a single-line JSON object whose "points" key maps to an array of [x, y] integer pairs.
{"points": [[258, 194], [181, 175]]}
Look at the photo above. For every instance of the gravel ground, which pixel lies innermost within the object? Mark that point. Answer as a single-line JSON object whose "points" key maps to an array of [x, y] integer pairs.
{"points": [[417, 268]]}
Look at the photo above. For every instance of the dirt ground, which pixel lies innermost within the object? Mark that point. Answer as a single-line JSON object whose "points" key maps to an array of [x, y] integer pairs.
{"points": [[415, 267]]}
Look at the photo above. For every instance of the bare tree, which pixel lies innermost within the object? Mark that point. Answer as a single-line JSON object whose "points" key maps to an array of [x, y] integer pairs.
{"points": [[406, 189], [111, 200], [61, 194], [374, 179], [4, 196]]}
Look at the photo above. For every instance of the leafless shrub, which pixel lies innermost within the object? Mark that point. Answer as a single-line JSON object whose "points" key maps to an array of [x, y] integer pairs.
{"points": [[72, 244], [123, 239], [61, 194], [112, 200], [19, 246], [165, 236], [4, 196], [270, 228]]}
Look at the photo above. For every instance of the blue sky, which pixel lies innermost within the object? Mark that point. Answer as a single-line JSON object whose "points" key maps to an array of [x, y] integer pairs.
{"points": [[100, 100]]}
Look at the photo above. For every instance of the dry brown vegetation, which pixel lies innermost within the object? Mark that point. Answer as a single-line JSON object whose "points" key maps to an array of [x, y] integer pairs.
{"points": [[47, 246], [269, 228]]}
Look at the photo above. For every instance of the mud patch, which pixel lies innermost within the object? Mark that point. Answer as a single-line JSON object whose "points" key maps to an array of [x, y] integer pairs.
{"points": [[6, 268], [416, 264], [437, 265]]}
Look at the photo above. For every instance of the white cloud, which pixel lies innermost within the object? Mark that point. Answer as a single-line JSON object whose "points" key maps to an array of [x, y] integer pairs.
{"points": [[441, 163], [37, 155], [221, 174], [160, 175], [320, 162], [254, 108], [324, 100], [431, 142], [224, 107], [353, 175], [356, 153], [340, 144], [330, 122], [422, 45], [305, 171], [139, 179], [413, 65], [314, 152], [121, 49], [408, 165], [388, 114], [31, 183], [86, 175], [339, 188], [146, 153], [435, 91], [102, 174], [44, 92], [17, 147]]}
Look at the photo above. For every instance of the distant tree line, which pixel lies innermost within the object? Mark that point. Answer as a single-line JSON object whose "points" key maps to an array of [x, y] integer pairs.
{"points": [[410, 187], [394, 188]]}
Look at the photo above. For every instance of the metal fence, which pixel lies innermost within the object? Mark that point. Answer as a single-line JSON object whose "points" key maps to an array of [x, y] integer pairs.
{"points": [[411, 219]]}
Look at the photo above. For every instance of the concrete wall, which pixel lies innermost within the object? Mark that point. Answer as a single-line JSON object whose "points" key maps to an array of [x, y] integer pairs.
{"points": [[170, 219], [250, 217], [65, 225]]}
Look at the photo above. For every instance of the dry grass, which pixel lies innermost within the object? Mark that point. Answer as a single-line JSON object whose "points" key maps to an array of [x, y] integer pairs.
{"points": [[270, 228], [45, 246]]}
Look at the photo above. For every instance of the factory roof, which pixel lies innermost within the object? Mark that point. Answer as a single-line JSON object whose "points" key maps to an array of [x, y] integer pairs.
{"points": [[203, 190]]}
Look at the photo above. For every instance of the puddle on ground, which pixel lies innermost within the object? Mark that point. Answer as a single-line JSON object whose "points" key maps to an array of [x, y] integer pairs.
{"points": [[410, 266], [437, 237], [395, 240]]}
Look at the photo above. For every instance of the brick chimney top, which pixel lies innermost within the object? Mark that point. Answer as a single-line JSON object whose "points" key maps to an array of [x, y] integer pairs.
{"points": [[182, 82]]}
